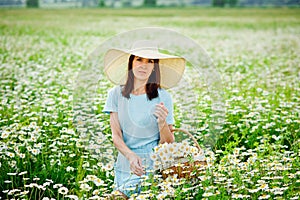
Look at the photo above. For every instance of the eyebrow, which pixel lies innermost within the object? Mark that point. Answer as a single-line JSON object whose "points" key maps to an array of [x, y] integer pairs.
{"points": [[144, 58]]}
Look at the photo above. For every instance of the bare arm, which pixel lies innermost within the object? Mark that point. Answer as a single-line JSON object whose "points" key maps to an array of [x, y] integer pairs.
{"points": [[166, 135], [134, 160]]}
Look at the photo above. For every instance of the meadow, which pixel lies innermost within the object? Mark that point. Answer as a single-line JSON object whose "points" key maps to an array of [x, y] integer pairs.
{"points": [[255, 51]]}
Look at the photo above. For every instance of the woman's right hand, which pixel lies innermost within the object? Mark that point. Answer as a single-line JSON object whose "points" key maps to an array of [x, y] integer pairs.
{"points": [[136, 164]]}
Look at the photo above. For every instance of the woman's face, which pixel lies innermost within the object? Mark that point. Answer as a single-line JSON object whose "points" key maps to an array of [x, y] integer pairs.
{"points": [[142, 68]]}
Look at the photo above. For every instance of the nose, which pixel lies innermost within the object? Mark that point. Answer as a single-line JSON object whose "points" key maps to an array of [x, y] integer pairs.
{"points": [[144, 64]]}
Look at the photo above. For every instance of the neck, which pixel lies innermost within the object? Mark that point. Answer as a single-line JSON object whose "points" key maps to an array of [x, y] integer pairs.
{"points": [[139, 87]]}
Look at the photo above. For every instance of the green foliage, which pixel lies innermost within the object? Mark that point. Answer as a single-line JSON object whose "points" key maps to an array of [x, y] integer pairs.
{"points": [[101, 3], [218, 3], [232, 3], [256, 155], [222, 3], [150, 3], [32, 3]]}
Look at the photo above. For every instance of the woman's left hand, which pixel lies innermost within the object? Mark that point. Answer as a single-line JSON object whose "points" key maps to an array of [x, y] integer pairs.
{"points": [[161, 112]]}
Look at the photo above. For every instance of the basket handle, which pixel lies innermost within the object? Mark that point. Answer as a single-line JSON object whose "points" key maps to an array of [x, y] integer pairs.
{"points": [[189, 134]]}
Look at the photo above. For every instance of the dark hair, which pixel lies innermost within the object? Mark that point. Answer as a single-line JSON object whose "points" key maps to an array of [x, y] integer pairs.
{"points": [[152, 85]]}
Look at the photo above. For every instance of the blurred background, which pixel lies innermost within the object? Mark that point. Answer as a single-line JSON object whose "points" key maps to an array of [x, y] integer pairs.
{"points": [[254, 47], [148, 3]]}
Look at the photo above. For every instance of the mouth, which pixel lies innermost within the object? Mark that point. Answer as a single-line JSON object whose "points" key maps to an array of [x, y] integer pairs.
{"points": [[142, 72]]}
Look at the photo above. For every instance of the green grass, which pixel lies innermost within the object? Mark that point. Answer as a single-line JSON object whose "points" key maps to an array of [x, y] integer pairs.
{"points": [[255, 51]]}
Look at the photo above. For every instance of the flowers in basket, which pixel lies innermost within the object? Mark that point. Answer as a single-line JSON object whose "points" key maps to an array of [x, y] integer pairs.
{"points": [[178, 158]]}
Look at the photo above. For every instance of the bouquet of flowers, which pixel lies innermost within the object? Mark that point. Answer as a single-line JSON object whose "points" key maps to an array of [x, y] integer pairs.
{"points": [[179, 158]]}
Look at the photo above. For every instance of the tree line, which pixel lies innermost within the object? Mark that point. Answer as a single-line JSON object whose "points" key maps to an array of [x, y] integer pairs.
{"points": [[215, 3]]}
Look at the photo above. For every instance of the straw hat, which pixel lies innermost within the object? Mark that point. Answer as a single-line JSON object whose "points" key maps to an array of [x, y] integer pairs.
{"points": [[116, 63]]}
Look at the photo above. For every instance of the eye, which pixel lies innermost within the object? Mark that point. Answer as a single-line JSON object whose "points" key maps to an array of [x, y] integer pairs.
{"points": [[138, 59], [150, 61]]}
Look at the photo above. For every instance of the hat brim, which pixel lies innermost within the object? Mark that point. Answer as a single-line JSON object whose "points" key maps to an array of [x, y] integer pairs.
{"points": [[116, 64]]}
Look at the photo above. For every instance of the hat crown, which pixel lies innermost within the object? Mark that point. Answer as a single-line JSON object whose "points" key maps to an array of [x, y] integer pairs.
{"points": [[144, 45], [116, 63]]}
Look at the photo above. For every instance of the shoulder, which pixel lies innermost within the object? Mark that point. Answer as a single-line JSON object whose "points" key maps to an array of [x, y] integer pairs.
{"points": [[164, 93], [116, 90]]}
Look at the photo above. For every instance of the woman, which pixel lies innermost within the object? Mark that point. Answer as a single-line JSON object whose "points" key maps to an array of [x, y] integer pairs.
{"points": [[141, 112]]}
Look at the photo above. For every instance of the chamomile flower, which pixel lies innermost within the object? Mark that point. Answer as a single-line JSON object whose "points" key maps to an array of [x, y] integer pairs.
{"points": [[63, 190], [98, 182]]}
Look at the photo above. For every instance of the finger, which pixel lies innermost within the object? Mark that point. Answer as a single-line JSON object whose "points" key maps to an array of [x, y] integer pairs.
{"points": [[139, 165], [135, 164], [140, 162], [139, 172], [135, 169], [161, 107], [160, 114]]}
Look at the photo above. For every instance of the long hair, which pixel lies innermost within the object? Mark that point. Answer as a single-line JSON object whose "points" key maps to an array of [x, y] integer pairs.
{"points": [[152, 84]]}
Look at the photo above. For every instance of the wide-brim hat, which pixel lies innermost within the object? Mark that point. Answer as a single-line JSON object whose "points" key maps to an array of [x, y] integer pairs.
{"points": [[116, 63]]}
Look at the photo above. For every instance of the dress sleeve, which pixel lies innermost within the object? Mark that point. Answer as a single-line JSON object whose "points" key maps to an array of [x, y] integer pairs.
{"points": [[111, 104], [167, 100]]}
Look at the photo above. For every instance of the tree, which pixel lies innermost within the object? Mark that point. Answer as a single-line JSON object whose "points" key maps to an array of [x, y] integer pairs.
{"points": [[101, 3], [32, 3], [150, 3], [222, 3], [232, 3], [218, 3]]}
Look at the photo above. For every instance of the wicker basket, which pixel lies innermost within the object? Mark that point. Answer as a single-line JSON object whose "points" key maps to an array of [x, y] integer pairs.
{"points": [[183, 167]]}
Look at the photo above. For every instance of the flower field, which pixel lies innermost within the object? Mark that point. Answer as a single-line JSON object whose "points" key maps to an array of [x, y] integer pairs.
{"points": [[255, 51]]}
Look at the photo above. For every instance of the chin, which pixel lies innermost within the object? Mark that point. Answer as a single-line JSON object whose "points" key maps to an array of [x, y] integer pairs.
{"points": [[142, 78]]}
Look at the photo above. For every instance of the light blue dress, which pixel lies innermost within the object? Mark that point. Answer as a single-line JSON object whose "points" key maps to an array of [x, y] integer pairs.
{"points": [[140, 132]]}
